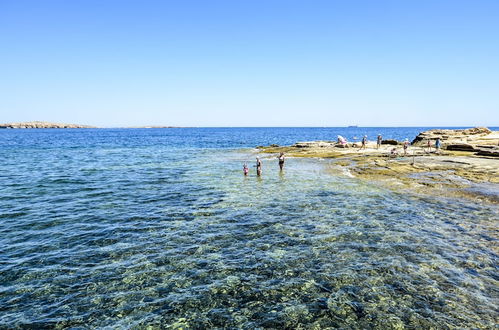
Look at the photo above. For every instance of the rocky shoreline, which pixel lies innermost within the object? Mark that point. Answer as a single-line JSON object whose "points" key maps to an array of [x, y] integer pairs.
{"points": [[480, 140], [42, 124], [470, 171]]}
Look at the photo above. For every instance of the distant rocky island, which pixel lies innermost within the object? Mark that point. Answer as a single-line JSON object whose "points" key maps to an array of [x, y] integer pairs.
{"points": [[42, 124]]}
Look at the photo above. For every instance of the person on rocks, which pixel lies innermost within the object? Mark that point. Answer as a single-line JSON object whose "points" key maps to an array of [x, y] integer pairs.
{"points": [[258, 166], [438, 145], [378, 141], [364, 142], [406, 145], [342, 141], [429, 145], [281, 160]]}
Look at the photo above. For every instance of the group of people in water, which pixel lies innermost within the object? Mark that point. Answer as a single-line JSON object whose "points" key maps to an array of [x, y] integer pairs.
{"points": [[259, 165]]}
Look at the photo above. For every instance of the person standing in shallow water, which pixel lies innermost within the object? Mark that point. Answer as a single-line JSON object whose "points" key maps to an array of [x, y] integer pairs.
{"points": [[245, 169], [258, 166], [281, 160]]}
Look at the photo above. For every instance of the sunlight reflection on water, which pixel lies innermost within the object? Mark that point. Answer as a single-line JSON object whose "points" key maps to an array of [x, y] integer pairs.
{"points": [[136, 237]]}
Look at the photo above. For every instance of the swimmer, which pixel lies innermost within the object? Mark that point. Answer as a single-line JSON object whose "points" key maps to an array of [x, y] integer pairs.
{"points": [[245, 169], [281, 160], [258, 166]]}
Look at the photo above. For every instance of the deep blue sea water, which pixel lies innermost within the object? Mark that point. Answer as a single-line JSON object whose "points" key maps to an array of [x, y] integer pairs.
{"points": [[129, 228]]}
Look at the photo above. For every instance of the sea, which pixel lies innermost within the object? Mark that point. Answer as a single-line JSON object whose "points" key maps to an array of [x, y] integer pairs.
{"points": [[159, 228]]}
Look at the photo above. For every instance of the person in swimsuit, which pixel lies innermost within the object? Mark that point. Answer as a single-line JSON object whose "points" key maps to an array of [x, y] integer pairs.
{"points": [[364, 142], [281, 160], [258, 166], [406, 145], [429, 145], [342, 141], [245, 169], [437, 145], [378, 141]]}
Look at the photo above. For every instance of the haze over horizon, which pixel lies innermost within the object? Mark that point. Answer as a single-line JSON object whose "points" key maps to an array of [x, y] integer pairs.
{"points": [[278, 63]]}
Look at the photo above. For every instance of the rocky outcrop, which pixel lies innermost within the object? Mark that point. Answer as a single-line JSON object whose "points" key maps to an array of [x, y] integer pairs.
{"points": [[451, 172], [461, 147], [341, 145], [459, 139], [314, 144], [489, 152], [479, 141], [390, 142], [42, 124]]}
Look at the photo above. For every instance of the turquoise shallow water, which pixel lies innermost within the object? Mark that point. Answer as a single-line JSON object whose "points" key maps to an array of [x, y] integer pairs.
{"points": [[128, 228]]}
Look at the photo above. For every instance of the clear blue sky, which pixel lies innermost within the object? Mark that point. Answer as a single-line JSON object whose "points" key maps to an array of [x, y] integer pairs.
{"points": [[250, 63]]}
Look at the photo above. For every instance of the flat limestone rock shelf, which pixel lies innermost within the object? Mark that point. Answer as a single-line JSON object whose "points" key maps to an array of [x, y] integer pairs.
{"points": [[472, 163]]}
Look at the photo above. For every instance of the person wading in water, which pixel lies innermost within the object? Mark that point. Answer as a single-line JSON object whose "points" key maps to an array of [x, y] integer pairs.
{"points": [[281, 160], [258, 166]]}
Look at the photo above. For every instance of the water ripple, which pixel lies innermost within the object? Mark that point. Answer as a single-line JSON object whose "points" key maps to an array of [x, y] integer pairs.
{"points": [[131, 237]]}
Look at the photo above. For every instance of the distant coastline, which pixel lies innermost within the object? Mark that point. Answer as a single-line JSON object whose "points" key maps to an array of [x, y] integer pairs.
{"points": [[43, 124]]}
